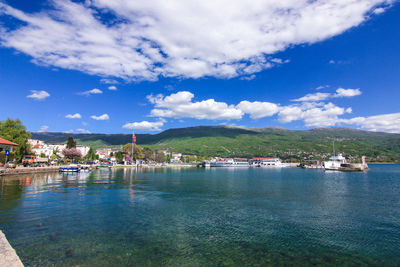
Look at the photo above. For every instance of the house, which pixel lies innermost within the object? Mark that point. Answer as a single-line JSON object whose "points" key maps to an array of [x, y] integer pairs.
{"points": [[176, 157], [6, 145]]}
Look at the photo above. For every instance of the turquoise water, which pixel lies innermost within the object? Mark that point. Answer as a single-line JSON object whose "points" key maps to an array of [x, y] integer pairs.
{"points": [[204, 217]]}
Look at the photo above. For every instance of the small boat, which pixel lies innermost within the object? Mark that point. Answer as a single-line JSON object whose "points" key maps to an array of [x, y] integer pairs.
{"points": [[70, 168], [104, 167]]}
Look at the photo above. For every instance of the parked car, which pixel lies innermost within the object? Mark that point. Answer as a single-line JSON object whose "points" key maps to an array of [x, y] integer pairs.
{"points": [[11, 164]]}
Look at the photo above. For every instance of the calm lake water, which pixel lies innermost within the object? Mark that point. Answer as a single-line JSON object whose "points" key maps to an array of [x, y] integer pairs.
{"points": [[193, 217]]}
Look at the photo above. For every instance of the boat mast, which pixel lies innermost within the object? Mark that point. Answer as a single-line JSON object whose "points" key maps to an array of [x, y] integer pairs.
{"points": [[334, 148]]}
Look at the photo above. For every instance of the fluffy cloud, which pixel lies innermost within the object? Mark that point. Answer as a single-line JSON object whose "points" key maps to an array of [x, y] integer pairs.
{"points": [[112, 88], [313, 114], [380, 123], [38, 95], [109, 81], [340, 92], [103, 117], [313, 97], [180, 105], [145, 125], [44, 128], [73, 116], [94, 91], [258, 109], [80, 130], [347, 92], [142, 40]]}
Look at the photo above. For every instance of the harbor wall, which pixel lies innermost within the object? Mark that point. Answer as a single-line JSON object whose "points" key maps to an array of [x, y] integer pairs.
{"points": [[24, 170], [8, 256]]}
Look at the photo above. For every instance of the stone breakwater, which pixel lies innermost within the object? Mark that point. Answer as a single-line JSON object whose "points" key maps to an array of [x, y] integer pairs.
{"points": [[23, 170], [8, 256]]}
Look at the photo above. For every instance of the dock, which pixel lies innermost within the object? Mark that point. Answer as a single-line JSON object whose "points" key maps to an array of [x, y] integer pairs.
{"points": [[26, 170], [8, 256]]}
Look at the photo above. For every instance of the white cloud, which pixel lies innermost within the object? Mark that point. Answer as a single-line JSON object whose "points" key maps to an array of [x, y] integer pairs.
{"points": [[142, 40], [180, 105], [313, 114], [313, 97], [321, 87], [379, 10], [379, 123], [145, 125], [38, 95], [94, 91], [101, 117], [112, 88], [109, 81], [332, 61], [68, 131], [80, 130], [73, 116], [258, 109], [44, 128], [341, 92]]}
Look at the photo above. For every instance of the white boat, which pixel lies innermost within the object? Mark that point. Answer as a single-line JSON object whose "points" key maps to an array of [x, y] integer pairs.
{"points": [[69, 168], [221, 162], [268, 163], [335, 162], [240, 162]]}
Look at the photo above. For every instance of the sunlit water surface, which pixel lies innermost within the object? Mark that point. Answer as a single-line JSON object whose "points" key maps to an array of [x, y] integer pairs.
{"points": [[192, 217]]}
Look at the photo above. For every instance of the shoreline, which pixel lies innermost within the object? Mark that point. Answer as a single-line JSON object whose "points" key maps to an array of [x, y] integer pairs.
{"points": [[27, 170], [8, 255]]}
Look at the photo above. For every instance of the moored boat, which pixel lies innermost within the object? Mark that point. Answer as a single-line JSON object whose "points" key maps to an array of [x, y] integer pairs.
{"points": [[268, 163], [70, 168]]}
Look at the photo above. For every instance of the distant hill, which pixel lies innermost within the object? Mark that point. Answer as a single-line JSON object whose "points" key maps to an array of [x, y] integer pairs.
{"points": [[248, 142]]}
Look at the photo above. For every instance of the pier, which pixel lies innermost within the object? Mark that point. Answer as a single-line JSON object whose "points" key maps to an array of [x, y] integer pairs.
{"points": [[26, 170], [8, 256]]}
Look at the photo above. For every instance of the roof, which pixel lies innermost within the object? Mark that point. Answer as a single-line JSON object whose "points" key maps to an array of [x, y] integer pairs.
{"points": [[6, 142]]}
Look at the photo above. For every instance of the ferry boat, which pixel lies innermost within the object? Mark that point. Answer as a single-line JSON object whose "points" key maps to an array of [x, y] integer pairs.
{"points": [[335, 162], [221, 162], [240, 162], [268, 163]]}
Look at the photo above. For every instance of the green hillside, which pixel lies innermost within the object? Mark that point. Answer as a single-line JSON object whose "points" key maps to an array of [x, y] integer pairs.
{"points": [[249, 142]]}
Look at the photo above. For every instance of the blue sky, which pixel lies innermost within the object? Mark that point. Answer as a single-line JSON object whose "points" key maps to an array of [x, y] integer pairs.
{"points": [[112, 66]]}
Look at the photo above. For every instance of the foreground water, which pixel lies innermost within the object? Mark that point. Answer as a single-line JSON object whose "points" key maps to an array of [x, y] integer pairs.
{"points": [[191, 217]]}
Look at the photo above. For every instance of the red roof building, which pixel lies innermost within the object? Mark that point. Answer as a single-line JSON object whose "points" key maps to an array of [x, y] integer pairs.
{"points": [[7, 143]]}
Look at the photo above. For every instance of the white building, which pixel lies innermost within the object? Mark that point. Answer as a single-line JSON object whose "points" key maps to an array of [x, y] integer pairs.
{"points": [[176, 157], [39, 147]]}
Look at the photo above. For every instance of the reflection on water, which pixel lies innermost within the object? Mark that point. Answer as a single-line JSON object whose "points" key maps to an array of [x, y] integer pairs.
{"points": [[206, 217]]}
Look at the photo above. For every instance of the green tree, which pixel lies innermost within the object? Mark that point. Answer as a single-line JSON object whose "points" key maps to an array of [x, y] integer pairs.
{"points": [[14, 131], [119, 156], [91, 155], [137, 152], [42, 155], [71, 142], [148, 154]]}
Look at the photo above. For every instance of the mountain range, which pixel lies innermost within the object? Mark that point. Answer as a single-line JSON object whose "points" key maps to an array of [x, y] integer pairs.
{"points": [[228, 141]]}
